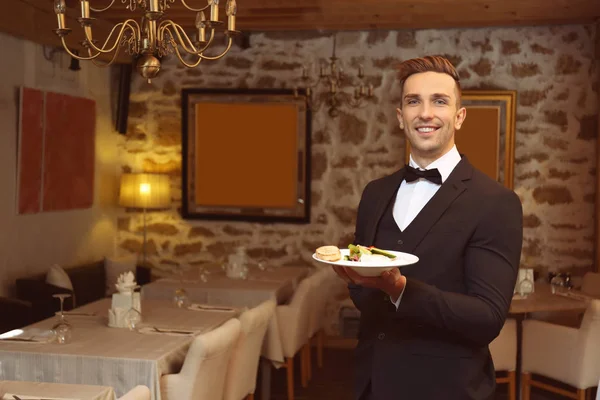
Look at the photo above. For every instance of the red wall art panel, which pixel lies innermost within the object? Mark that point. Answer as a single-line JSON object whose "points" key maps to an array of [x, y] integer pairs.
{"points": [[56, 152]]}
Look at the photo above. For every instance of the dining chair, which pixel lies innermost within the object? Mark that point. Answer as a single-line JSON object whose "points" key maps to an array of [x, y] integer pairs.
{"points": [[324, 282], [504, 355], [139, 392], [202, 376], [565, 354], [240, 379], [293, 320], [591, 284]]}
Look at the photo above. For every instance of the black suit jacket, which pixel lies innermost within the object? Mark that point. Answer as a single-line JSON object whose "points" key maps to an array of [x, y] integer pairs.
{"points": [[468, 238]]}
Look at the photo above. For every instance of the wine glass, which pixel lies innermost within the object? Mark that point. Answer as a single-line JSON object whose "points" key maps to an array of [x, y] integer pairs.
{"points": [[180, 298], [62, 329], [133, 316]]}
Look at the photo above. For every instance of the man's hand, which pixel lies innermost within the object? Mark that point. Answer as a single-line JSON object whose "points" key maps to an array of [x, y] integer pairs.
{"points": [[391, 282]]}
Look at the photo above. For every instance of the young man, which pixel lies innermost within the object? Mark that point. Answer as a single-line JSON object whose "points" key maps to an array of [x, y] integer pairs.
{"points": [[425, 328]]}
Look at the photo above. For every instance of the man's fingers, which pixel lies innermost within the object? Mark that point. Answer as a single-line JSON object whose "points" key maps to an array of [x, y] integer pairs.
{"points": [[391, 276], [394, 278]]}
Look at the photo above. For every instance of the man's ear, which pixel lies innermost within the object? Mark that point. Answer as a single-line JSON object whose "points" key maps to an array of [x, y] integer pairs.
{"points": [[399, 114], [460, 118]]}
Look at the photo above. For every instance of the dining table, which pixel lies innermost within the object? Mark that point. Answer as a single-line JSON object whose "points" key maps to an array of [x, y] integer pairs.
{"points": [[545, 298], [101, 355], [62, 391], [259, 285]]}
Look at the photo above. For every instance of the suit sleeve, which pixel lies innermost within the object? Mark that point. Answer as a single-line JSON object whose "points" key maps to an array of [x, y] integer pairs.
{"points": [[491, 262]]}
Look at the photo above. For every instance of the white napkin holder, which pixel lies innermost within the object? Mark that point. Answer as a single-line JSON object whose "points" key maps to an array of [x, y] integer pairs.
{"points": [[525, 274], [121, 303]]}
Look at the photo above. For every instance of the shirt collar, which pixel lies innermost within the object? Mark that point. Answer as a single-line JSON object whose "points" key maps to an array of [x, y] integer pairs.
{"points": [[445, 164]]}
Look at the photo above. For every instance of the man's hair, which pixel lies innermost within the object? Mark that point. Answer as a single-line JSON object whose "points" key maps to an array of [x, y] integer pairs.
{"points": [[428, 64]]}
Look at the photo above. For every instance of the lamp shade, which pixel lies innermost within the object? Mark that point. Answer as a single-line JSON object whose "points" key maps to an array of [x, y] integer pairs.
{"points": [[145, 191]]}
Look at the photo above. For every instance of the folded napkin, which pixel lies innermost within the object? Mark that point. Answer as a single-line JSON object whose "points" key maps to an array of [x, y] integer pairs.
{"points": [[156, 330], [32, 335], [208, 307], [10, 396]]}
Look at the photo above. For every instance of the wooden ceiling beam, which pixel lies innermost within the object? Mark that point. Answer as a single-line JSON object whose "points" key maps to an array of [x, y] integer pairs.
{"points": [[35, 21], [345, 22]]}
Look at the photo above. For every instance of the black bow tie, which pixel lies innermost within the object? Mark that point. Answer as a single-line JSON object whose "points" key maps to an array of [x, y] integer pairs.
{"points": [[432, 175]]}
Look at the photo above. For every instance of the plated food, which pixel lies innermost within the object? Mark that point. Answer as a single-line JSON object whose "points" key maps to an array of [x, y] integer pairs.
{"points": [[366, 261], [328, 253]]}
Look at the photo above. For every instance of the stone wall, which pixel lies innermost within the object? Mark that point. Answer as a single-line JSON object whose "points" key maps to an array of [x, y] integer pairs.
{"points": [[551, 68]]}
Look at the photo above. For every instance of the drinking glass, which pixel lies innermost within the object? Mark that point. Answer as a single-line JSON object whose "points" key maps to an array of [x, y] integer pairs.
{"points": [[62, 329], [180, 298]]}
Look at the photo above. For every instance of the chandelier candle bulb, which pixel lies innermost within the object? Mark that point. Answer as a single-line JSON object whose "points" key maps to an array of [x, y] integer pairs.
{"points": [[59, 9], [201, 25], [214, 11], [231, 10], [85, 8], [154, 6], [370, 92]]}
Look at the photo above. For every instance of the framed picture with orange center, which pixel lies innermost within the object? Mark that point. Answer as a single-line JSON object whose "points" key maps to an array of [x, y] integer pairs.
{"points": [[487, 136], [246, 155]]}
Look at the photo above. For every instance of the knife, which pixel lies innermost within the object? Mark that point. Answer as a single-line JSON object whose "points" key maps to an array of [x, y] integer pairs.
{"points": [[16, 339], [216, 308], [163, 330]]}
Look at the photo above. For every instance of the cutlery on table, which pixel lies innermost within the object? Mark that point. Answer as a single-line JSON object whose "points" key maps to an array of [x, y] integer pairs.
{"points": [[166, 330], [16, 339], [211, 308]]}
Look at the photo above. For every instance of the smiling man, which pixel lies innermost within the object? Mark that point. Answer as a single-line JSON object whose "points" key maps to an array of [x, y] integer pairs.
{"points": [[425, 329]]}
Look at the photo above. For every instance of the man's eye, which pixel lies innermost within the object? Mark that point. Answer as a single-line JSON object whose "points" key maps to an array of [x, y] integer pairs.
{"points": [[440, 101], [411, 101]]}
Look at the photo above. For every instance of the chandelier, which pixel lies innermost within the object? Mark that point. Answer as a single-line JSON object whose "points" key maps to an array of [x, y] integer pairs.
{"points": [[334, 80], [154, 37]]}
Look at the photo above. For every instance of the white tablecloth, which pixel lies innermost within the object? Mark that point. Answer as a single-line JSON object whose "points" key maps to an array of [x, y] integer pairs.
{"points": [[278, 283], [56, 390], [260, 286], [99, 355]]}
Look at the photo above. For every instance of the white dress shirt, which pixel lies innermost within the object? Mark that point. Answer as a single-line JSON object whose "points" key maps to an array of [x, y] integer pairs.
{"points": [[412, 196]]}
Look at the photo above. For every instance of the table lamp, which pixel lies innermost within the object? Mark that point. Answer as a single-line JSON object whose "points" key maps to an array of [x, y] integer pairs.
{"points": [[145, 191]]}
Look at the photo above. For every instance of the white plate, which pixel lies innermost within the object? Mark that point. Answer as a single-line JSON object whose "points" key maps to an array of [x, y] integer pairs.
{"points": [[364, 269]]}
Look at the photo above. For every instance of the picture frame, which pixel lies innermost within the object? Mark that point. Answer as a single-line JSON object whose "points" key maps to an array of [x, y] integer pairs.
{"points": [[487, 136], [246, 155]]}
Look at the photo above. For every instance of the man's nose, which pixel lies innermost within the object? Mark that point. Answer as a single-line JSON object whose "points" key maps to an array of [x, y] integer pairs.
{"points": [[426, 111]]}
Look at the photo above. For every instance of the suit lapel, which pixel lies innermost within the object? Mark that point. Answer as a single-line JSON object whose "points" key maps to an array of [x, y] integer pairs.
{"points": [[453, 187], [388, 193]]}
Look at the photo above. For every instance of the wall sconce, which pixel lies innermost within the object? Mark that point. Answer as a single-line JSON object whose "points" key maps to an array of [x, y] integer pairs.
{"points": [[334, 80]]}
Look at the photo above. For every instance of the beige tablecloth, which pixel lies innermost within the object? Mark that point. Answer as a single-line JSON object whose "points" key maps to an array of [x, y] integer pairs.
{"points": [[278, 283], [56, 390], [99, 355]]}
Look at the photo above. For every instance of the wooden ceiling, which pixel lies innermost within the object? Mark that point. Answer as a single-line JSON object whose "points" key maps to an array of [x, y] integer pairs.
{"points": [[35, 19], [286, 15]]}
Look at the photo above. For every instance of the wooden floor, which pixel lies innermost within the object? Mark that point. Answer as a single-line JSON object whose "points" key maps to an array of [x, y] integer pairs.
{"points": [[335, 381]]}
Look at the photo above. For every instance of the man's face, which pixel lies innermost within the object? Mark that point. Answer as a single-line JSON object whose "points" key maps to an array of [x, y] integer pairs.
{"points": [[430, 115]]}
